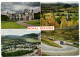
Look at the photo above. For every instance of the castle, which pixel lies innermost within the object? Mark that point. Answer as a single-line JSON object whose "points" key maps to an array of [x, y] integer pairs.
{"points": [[27, 15]]}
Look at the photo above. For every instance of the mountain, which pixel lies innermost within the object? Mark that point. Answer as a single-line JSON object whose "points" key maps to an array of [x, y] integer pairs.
{"points": [[57, 5], [38, 34], [2, 36], [66, 5], [32, 35], [11, 36], [74, 4]]}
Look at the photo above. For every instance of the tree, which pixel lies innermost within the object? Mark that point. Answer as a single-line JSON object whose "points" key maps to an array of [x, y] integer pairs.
{"points": [[58, 20], [66, 6], [77, 22], [49, 21], [4, 18], [37, 15], [63, 22]]}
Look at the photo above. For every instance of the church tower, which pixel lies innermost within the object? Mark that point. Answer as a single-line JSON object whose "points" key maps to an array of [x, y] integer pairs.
{"points": [[68, 16]]}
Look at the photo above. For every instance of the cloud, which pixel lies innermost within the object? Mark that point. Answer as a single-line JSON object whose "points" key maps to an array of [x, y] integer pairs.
{"points": [[19, 6], [68, 2], [33, 4], [18, 31], [37, 9]]}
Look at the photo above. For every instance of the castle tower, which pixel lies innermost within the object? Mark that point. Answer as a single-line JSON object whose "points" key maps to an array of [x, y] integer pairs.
{"points": [[26, 12], [7, 13], [32, 14]]}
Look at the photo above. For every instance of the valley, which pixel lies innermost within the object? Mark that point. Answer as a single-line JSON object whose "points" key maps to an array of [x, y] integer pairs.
{"points": [[17, 45]]}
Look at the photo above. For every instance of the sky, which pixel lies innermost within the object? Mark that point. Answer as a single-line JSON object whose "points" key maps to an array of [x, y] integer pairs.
{"points": [[68, 2], [14, 7], [19, 32]]}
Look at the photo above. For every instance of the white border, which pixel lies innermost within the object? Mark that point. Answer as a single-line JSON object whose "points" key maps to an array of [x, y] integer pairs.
{"points": [[35, 1]]}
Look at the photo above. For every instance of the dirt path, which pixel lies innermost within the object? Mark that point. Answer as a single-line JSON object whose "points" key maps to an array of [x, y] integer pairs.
{"points": [[24, 24]]}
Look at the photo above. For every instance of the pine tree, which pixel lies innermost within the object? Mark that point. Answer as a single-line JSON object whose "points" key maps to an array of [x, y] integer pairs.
{"points": [[63, 23], [77, 22]]}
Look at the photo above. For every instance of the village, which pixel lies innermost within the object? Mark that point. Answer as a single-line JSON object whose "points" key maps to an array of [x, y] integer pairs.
{"points": [[33, 47]]}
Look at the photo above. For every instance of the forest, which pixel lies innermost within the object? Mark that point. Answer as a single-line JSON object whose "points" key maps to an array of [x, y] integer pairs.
{"points": [[60, 15], [71, 35]]}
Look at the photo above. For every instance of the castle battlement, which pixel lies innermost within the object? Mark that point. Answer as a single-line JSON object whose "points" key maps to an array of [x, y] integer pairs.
{"points": [[26, 15]]}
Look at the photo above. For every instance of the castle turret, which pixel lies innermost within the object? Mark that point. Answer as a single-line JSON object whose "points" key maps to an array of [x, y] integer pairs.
{"points": [[7, 13], [32, 14], [26, 11]]}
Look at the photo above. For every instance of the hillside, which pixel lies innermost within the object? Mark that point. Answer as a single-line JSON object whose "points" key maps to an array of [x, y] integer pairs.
{"points": [[57, 5], [32, 35]]}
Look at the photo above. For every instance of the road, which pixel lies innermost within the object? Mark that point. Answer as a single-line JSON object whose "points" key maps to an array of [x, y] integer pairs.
{"points": [[24, 24], [65, 51]]}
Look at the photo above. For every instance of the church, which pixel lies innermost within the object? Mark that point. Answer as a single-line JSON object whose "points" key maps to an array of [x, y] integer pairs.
{"points": [[26, 15]]}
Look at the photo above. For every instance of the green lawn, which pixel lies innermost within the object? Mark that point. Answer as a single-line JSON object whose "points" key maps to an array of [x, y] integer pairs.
{"points": [[35, 22], [57, 37], [49, 42], [11, 25]]}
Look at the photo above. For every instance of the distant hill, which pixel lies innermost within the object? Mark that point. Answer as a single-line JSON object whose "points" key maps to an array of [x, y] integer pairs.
{"points": [[2, 36], [32, 35], [11, 36], [38, 34], [66, 5], [74, 4], [57, 5]]}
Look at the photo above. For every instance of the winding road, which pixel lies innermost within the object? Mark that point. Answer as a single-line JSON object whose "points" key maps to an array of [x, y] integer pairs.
{"points": [[56, 51]]}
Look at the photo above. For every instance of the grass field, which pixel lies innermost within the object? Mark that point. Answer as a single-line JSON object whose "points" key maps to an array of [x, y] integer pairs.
{"points": [[49, 42], [73, 45], [57, 37], [31, 40], [11, 25], [44, 54], [35, 22]]}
